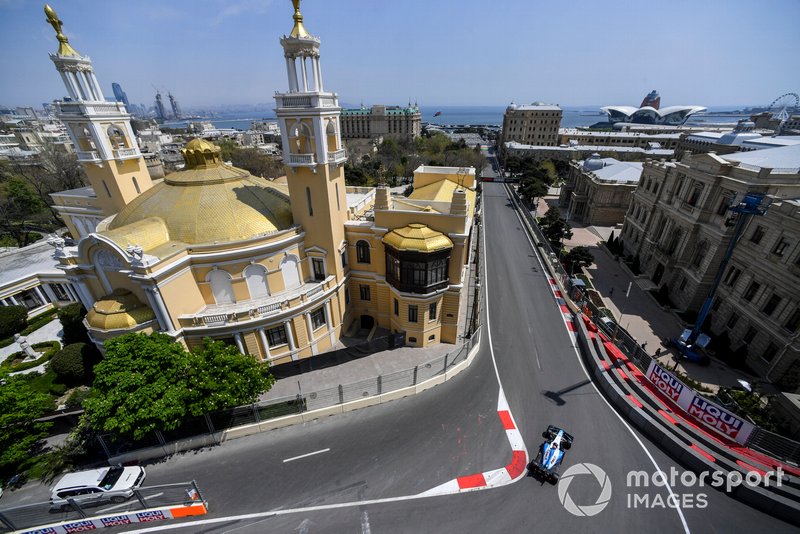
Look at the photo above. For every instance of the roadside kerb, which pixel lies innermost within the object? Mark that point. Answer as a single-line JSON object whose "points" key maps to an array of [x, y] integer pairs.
{"points": [[758, 497]]}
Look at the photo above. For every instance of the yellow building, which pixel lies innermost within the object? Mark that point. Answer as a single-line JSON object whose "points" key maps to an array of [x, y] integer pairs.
{"points": [[280, 268]]}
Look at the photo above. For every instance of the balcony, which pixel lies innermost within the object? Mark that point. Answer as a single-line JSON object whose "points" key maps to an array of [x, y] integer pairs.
{"points": [[91, 108], [126, 153], [337, 156], [90, 156], [301, 160], [214, 315], [306, 100]]}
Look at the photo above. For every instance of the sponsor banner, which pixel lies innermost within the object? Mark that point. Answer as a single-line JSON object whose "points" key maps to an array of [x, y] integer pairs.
{"points": [[698, 406], [86, 525]]}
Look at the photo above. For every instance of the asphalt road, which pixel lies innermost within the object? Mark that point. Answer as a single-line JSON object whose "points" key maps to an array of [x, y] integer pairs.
{"points": [[408, 446]]}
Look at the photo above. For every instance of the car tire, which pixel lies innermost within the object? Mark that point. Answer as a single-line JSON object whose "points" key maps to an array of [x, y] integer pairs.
{"points": [[118, 499]]}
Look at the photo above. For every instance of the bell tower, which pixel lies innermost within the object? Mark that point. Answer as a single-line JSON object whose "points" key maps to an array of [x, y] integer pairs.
{"points": [[100, 130], [312, 147]]}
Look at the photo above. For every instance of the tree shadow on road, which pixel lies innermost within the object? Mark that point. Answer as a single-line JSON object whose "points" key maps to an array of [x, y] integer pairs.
{"points": [[557, 396]]}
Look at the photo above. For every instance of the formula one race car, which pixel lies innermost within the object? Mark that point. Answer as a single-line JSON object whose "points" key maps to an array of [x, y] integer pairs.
{"points": [[551, 453]]}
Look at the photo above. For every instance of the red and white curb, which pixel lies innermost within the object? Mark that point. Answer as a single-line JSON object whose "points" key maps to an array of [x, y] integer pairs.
{"points": [[496, 477], [565, 313]]}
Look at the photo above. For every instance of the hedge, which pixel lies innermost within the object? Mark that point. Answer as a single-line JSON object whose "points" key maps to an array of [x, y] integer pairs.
{"points": [[74, 363], [51, 347], [12, 320], [71, 317]]}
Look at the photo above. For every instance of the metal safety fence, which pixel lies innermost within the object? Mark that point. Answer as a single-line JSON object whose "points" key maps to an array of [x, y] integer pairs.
{"points": [[770, 443], [81, 507]]}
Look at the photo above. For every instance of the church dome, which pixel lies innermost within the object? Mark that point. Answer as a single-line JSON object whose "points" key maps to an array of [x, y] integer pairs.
{"points": [[208, 202], [121, 309]]}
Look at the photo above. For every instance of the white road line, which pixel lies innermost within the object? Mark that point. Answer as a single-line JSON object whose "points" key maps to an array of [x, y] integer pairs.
{"points": [[126, 503], [586, 372], [365, 523], [305, 455]]}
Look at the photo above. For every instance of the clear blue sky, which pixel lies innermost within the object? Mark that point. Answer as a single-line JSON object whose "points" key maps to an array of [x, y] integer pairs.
{"points": [[439, 52]]}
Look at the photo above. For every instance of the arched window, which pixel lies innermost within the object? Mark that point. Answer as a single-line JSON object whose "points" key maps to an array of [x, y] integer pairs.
{"points": [[256, 276], [290, 272], [136, 185], [362, 252], [221, 286]]}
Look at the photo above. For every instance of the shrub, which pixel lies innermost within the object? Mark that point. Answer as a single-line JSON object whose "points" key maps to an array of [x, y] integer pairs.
{"points": [[13, 319], [39, 321], [71, 317], [73, 363], [76, 398]]}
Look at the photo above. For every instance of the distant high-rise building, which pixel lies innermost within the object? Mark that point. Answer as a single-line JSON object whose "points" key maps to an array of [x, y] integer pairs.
{"points": [[119, 94], [161, 112], [176, 108]]}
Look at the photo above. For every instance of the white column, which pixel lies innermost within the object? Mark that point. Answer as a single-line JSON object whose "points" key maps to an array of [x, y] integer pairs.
{"points": [[238, 337], [78, 87], [305, 73], [318, 75], [284, 124], [310, 327], [85, 295], [264, 343], [328, 319], [50, 293], [71, 292], [41, 295], [290, 339], [159, 301], [97, 88], [151, 301], [68, 85], [13, 300], [292, 74], [321, 140]]}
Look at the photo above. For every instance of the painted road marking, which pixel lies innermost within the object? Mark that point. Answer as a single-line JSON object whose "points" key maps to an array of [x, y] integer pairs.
{"points": [[305, 455]]}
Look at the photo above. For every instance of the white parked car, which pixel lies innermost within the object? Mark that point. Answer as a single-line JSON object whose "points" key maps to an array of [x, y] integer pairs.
{"points": [[114, 484]]}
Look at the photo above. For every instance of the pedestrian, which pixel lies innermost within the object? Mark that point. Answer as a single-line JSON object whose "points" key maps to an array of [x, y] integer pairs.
{"points": [[644, 345], [611, 292], [658, 352]]}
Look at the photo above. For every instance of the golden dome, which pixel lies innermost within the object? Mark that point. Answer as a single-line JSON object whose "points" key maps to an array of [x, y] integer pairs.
{"points": [[417, 237], [120, 309], [210, 202]]}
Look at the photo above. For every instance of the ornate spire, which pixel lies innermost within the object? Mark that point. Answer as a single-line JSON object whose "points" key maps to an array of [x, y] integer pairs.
{"points": [[299, 30], [64, 48]]}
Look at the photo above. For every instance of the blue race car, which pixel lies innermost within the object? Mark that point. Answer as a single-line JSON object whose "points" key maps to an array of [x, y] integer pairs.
{"points": [[551, 454]]}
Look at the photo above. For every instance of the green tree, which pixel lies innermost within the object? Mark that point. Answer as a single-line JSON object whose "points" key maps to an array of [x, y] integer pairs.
{"points": [[13, 319], [578, 257], [150, 382], [19, 206], [74, 363], [20, 432], [531, 190], [555, 228], [71, 317]]}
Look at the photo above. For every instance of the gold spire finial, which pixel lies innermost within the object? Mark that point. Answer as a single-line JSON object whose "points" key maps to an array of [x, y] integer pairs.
{"points": [[299, 30], [64, 49]]}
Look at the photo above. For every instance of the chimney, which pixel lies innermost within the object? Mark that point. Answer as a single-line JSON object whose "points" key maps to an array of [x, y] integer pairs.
{"points": [[458, 206], [382, 198]]}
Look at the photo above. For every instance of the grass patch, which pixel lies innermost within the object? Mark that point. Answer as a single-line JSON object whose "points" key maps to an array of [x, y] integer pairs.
{"points": [[47, 383], [34, 323], [280, 409], [15, 361]]}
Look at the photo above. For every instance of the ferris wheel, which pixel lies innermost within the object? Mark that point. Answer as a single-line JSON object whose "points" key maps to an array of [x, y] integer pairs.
{"points": [[784, 106]]}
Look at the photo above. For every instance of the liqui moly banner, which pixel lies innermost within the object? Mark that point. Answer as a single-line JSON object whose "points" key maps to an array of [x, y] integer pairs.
{"points": [[85, 525], [698, 406]]}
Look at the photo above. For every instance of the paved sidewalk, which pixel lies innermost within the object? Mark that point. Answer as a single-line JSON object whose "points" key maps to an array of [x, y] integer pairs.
{"points": [[49, 332], [639, 313]]}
